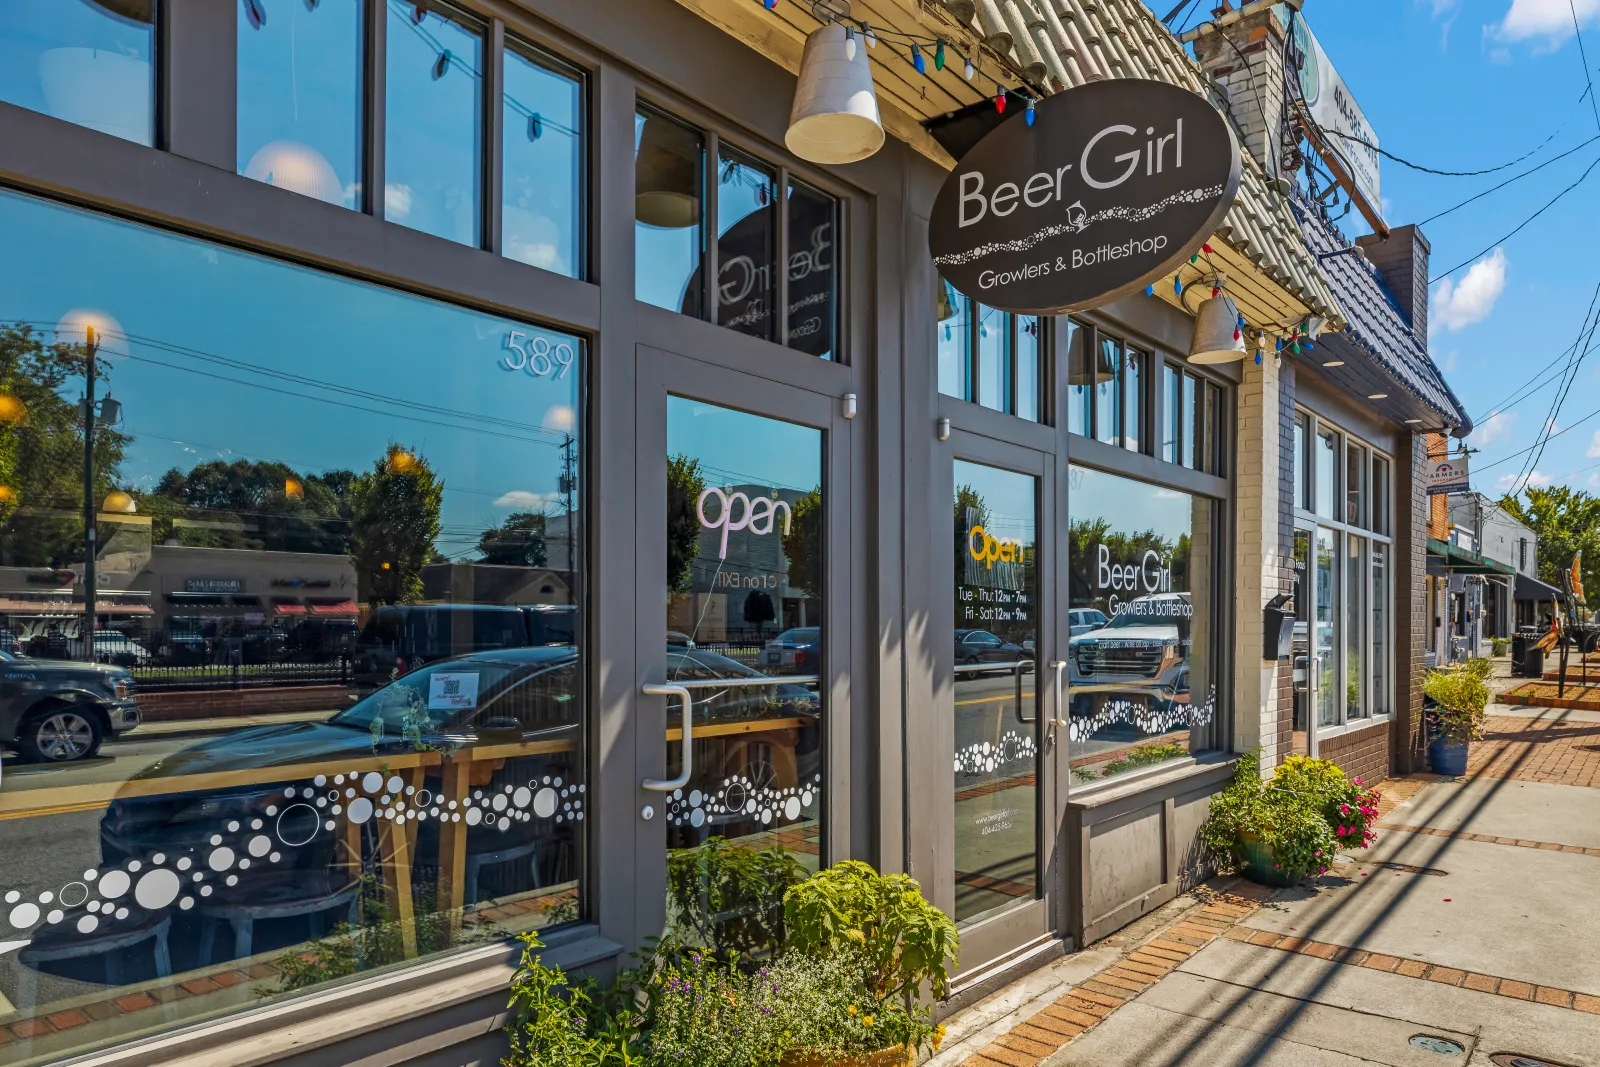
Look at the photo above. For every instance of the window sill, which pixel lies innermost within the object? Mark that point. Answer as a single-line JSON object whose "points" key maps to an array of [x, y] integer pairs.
{"points": [[1324, 733], [1147, 778], [293, 1027]]}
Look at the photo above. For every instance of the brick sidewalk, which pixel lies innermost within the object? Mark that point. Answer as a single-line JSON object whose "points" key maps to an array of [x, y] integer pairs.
{"points": [[1537, 750]]}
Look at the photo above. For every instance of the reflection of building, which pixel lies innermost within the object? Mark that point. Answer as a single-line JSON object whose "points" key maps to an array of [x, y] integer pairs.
{"points": [[1511, 599], [489, 583], [228, 588]]}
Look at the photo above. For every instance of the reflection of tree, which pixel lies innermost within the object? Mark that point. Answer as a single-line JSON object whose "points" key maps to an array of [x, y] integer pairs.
{"points": [[685, 483], [518, 542], [394, 518], [251, 505], [1084, 536], [41, 450], [802, 545]]}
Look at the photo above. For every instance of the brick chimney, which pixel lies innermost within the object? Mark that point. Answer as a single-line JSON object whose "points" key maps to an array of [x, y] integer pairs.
{"points": [[1245, 58], [1402, 259]]}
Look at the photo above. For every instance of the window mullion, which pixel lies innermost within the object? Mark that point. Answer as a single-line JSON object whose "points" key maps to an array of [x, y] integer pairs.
{"points": [[493, 134], [780, 314], [713, 180]]}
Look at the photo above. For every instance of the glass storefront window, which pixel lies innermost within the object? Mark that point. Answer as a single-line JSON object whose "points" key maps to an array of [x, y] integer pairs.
{"points": [[1081, 378], [300, 97], [747, 245], [92, 64], [1172, 408], [1133, 365], [1211, 427], [1326, 473], [1325, 645], [1142, 670], [433, 128], [1355, 485], [542, 177], [994, 353], [1382, 702], [356, 516], [955, 341], [1030, 339], [1355, 616], [1189, 429], [1107, 392], [1380, 495], [813, 221], [745, 567], [668, 182], [1302, 479], [997, 743]]}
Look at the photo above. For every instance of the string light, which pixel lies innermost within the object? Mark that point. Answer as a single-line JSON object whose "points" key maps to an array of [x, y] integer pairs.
{"points": [[872, 38], [917, 60], [418, 13], [1000, 101], [1028, 114], [968, 71], [1149, 290], [1177, 283], [938, 55], [442, 65], [772, 5]]}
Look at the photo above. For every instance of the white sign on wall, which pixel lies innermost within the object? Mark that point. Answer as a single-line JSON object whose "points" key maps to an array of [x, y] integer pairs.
{"points": [[1335, 109], [1447, 476]]}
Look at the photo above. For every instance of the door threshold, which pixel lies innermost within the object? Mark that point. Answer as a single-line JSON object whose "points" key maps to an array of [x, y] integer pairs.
{"points": [[969, 988]]}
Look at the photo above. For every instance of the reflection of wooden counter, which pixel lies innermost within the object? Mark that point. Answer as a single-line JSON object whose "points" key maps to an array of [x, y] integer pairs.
{"points": [[702, 731]]}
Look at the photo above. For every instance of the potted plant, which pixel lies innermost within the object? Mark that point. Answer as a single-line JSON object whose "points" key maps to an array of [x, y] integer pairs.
{"points": [[1288, 828], [1456, 698]]}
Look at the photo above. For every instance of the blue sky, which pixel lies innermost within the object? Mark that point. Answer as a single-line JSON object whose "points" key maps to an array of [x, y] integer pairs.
{"points": [[1468, 84]]}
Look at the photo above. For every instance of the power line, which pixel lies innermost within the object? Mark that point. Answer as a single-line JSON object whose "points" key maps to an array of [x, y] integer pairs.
{"points": [[1520, 226], [1508, 181], [1569, 374], [1584, 56], [1432, 170]]}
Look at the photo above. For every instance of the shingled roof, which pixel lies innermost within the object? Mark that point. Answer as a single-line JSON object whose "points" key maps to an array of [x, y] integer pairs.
{"points": [[1061, 44], [1378, 348]]}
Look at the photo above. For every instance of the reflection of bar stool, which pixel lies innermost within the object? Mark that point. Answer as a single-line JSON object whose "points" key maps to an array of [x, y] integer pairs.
{"points": [[112, 943], [475, 864], [243, 916]]}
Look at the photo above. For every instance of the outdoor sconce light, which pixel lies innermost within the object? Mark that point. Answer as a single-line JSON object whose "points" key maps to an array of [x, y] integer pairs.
{"points": [[1217, 337], [835, 115], [1277, 625], [849, 405]]}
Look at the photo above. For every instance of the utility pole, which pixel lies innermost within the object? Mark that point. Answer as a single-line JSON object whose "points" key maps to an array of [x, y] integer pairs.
{"points": [[90, 547], [568, 485]]}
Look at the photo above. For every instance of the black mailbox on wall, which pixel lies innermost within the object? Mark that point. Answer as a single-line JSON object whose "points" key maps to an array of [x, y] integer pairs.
{"points": [[1277, 625]]}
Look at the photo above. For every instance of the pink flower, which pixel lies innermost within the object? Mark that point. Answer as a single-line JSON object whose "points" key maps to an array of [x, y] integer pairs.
{"points": [[1343, 830], [1344, 809], [1358, 781]]}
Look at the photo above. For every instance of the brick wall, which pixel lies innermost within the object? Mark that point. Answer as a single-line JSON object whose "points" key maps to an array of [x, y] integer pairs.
{"points": [[1250, 69], [1361, 753], [230, 703], [1438, 504], [1412, 516]]}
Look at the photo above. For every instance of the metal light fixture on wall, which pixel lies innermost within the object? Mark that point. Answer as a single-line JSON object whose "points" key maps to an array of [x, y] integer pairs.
{"points": [[1217, 337], [835, 115]]}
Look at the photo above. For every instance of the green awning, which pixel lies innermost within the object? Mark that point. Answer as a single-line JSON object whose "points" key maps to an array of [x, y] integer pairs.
{"points": [[1461, 561]]}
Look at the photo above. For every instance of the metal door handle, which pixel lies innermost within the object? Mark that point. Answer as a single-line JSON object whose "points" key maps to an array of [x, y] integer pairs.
{"points": [[667, 785], [1060, 720], [1302, 663], [1016, 670]]}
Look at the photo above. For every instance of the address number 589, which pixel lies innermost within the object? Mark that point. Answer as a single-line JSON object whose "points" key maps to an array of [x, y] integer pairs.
{"points": [[536, 355]]}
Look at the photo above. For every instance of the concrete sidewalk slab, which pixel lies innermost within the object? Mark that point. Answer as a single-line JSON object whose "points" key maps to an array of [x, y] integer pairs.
{"points": [[1517, 913], [1562, 814], [1500, 1024]]}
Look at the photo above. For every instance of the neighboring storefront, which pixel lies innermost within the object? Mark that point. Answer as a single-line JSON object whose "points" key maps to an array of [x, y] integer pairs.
{"points": [[593, 440]]}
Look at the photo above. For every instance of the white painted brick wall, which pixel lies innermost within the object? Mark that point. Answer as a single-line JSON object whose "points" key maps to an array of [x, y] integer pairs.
{"points": [[1258, 563]]}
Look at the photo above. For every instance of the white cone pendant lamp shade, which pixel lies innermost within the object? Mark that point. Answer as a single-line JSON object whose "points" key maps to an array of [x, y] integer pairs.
{"points": [[835, 115], [1217, 337]]}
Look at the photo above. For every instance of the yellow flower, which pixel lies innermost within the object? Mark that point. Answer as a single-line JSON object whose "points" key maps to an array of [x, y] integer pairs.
{"points": [[867, 1019], [852, 1009]]}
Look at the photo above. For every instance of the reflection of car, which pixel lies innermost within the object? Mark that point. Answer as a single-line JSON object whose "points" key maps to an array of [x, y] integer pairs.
{"points": [[185, 648], [321, 640], [401, 638], [1139, 654], [504, 697], [264, 644], [1083, 620], [56, 711], [10, 644], [111, 646], [799, 649], [981, 646], [679, 640]]}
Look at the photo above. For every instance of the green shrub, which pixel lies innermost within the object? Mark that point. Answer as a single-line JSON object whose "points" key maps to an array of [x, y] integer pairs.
{"points": [[1301, 816], [550, 1025], [1459, 696], [905, 940], [1500, 645], [729, 898]]}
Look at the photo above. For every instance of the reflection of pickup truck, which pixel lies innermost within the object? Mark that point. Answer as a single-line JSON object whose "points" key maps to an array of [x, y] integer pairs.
{"points": [[1139, 655], [56, 711]]}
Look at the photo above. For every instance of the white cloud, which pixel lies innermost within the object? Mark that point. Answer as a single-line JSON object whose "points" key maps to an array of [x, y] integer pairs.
{"points": [[1444, 7], [1456, 307], [1514, 484], [1551, 427], [1449, 366], [1594, 446], [1496, 427], [523, 500], [1594, 481], [397, 200], [1549, 21]]}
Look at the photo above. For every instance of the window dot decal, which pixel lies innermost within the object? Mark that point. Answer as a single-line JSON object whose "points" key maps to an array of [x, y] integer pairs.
{"points": [[46, 897], [322, 802], [24, 916], [159, 858], [328, 825], [88, 924], [452, 805], [13, 896], [372, 782], [474, 816], [55, 916], [233, 879], [360, 810], [504, 823], [275, 857], [205, 890], [255, 824], [259, 845], [186, 903], [544, 803], [791, 808], [93, 905], [384, 800], [216, 839], [116, 883], [455, 816], [244, 864], [233, 827], [156, 890], [320, 780], [410, 789], [336, 809], [134, 865], [500, 802], [289, 792], [89, 876], [338, 779], [349, 794], [219, 860], [521, 797], [272, 809], [477, 794], [697, 817], [198, 877], [73, 894], [122, 913]]}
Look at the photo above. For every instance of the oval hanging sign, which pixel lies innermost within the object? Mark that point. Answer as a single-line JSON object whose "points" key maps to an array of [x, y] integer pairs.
{"points": [[1115, 184]]}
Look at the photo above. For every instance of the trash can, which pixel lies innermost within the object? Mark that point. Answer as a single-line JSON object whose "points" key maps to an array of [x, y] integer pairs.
{"points": [[1533, 661], [1519, 652]]}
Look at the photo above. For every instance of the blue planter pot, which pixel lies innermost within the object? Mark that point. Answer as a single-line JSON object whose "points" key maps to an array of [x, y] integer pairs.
{"points": [[1448, 757]]}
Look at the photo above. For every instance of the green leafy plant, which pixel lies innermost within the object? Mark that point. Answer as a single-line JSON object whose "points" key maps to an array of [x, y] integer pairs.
{"points": [[1500, 645], [1459, 696], [903, 938], [550, 1024], [730, 898], [1144, 756], [1345, 804], [1285, 817]]}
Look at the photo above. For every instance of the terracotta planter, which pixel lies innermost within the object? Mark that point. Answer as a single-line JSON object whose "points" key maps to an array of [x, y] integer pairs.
{"points": [[899, 1056], [1258, 863]]}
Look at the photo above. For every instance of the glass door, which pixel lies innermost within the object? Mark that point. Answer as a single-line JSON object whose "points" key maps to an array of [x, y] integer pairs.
{"points": [[1324, 649], [1301, 643], [738, 638]]}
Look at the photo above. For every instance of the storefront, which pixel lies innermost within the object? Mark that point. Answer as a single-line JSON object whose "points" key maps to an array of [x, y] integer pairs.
{"points": [[612, 434]]}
